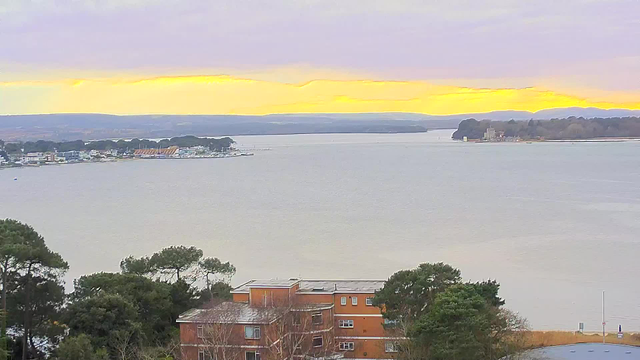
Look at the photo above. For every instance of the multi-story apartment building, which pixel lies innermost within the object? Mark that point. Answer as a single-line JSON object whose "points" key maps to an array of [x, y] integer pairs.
{"points": [[280, 319]]}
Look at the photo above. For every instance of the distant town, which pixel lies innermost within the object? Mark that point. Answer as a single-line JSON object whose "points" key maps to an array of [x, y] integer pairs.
{"points": [[42, 152]]}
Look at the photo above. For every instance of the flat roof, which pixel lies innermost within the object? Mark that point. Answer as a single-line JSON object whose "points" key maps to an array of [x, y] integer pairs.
{"points": [[230, 312], [341, 286], [317, 286], [266, 283], [585, 352]]}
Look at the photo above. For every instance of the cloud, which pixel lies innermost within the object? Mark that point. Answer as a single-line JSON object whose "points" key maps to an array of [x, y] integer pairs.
{"points": [[571, 41], [223, 94]]}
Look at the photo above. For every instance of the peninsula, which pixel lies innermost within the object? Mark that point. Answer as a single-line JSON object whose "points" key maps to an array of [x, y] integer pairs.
{"points": [[41, 152], [571, 128]]}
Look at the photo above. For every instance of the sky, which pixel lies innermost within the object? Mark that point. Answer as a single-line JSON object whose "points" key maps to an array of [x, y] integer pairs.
{"points": [[299, 56]]}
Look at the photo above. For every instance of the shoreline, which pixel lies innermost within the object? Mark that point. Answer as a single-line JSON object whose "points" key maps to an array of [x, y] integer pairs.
{"points": [[593, 140], [114, 160]]}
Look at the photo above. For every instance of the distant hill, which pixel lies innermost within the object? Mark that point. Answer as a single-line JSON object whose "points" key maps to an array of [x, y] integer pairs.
{"points": [[59, 127]]}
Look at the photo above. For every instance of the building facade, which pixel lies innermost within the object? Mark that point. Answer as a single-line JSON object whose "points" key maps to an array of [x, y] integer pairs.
{"points": [[283, 319]]}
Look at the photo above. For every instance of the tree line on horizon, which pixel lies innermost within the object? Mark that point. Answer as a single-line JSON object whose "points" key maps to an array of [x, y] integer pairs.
{"points": [[213, 144], [131, 314], [571, 128]]}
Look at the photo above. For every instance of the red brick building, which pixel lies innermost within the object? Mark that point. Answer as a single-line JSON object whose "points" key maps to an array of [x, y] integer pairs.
{"points": [[281, 319]]}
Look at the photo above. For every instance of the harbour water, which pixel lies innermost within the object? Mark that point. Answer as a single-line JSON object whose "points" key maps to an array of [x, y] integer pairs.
{"points": [[554, 223]]}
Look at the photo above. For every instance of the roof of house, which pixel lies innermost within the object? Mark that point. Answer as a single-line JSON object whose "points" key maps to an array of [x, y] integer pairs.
{"points": [[153, 151], [271, 283], [242, 313], [230, 313], [318, 286], [341, 286]]}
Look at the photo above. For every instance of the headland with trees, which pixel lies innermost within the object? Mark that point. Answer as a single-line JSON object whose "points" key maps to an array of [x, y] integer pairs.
{"points": [[43, 152], [571, 128]]}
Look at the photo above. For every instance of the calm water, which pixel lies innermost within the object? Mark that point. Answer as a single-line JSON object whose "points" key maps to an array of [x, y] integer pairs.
{"points": [[555, 223]]}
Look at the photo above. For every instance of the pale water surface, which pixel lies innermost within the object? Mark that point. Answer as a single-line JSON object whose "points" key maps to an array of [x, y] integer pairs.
{"points": [[554, 223]]}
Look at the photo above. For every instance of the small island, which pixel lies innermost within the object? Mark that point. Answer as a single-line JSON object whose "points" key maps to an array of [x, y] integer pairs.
{"points": [[42, 152], [571, 128]]}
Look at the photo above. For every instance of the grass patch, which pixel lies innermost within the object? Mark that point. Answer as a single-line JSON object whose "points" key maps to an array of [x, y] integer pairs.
{"points": [[536, 339]]}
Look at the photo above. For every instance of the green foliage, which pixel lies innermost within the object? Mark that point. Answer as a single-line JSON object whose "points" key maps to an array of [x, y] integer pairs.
{"points": [[131, 265], [175, 260], [102, 317], [213, 267], [120, 314], [153, 300], [76, 348], [456, 327], [442, 318], [489, 292], [571, 128], [464, 323], [216, 291], [121, 145], [409, 293], [184, 297], [25, 258], [13, 148], [47, 298]]}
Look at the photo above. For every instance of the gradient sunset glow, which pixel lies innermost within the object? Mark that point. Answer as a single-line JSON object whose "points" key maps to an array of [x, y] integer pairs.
{"points": [[281, 56], [232, 95]]}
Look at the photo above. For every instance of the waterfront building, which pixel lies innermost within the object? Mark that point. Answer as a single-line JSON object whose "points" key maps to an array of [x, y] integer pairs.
{"points": [[490, 134], [69, 155], [33, 158], [276, 319]]}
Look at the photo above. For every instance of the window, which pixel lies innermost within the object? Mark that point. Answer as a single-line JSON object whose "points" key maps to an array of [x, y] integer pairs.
{"points": [[343, 301], [296, 319], [390, 323], [251, 355], [368, 301], [317, 341], [347, 346], [252, 332], [391, 347], [348, 324], [204, 355], [200, 331], [316, 319], [354, 300]]}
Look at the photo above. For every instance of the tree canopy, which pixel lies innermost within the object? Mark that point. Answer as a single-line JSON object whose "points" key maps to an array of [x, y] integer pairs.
{"points": [[175, 260], [408, 293], [443, 318], [571, 128], [140, 266], [127, 315], [32, 272], [78, 348]]}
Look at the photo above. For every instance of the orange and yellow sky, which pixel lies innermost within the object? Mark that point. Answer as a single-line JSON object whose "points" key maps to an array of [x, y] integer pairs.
{"points": [[281, 56], [234, 95]]}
